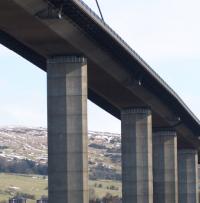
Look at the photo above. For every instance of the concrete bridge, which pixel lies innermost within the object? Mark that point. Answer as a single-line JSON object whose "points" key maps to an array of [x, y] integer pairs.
{"points": [[84, 58]]}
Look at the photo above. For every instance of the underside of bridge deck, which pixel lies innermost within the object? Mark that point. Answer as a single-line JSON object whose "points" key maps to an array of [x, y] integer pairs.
{"points": [[115, 80]]}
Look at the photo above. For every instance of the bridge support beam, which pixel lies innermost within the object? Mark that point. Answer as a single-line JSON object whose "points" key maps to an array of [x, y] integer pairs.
{"points": [[137, 179], [188, 176], [165, 177], [67, 130]]}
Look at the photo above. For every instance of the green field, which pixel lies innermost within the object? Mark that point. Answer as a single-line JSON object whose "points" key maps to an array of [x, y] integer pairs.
{"points": [[102, 187], [10, 184], [36, 185]]}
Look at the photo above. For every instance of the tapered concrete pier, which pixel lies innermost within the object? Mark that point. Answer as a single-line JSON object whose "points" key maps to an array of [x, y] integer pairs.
{"points": [[137, 179], [188, 176], [165, 182], [67, 130]]}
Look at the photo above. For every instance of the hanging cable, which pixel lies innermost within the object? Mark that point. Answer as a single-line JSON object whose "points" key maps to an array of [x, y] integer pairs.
{"points": [[99, 10]]}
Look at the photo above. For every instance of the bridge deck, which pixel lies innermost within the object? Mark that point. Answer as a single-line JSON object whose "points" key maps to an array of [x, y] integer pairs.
{"points": [[117, 76]]}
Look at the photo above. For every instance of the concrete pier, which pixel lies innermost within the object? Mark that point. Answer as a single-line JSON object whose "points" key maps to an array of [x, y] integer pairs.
{"points": [[188, 176], [67, 130], [165, 182], [137, 179]]}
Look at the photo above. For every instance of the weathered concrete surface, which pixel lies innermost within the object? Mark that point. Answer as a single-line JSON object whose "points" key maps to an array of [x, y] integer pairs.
{"points": [[188, 176], [165, 177], [67, 130], [137, 179]]}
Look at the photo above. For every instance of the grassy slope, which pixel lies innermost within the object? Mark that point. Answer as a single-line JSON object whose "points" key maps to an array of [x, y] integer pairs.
{"points": [[101, 192], [37, 185]]}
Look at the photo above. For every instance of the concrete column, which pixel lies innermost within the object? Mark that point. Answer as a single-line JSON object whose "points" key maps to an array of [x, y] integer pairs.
{"points": [[67, 130], [137, 179], [188, 176], [165, 182]]}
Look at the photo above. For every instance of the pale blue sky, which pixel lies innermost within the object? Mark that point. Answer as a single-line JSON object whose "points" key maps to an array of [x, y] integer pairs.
{"points": [[166, 35]]}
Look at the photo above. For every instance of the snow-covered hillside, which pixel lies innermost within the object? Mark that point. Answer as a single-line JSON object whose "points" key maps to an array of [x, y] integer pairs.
{"points": [[31, 143]]}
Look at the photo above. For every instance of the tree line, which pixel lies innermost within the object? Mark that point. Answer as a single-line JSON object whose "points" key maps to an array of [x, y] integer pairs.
{"points": [[24, 166]]}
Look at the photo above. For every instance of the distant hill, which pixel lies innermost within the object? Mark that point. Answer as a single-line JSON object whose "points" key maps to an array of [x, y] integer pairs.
{"points": [[27, 147]]}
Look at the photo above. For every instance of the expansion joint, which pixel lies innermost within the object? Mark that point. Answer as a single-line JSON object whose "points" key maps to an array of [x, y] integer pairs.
{"points": [[66, 59], [136, 110]]}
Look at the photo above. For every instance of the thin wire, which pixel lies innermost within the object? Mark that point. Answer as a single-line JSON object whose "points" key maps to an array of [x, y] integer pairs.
{"points": [[99, 9]]}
